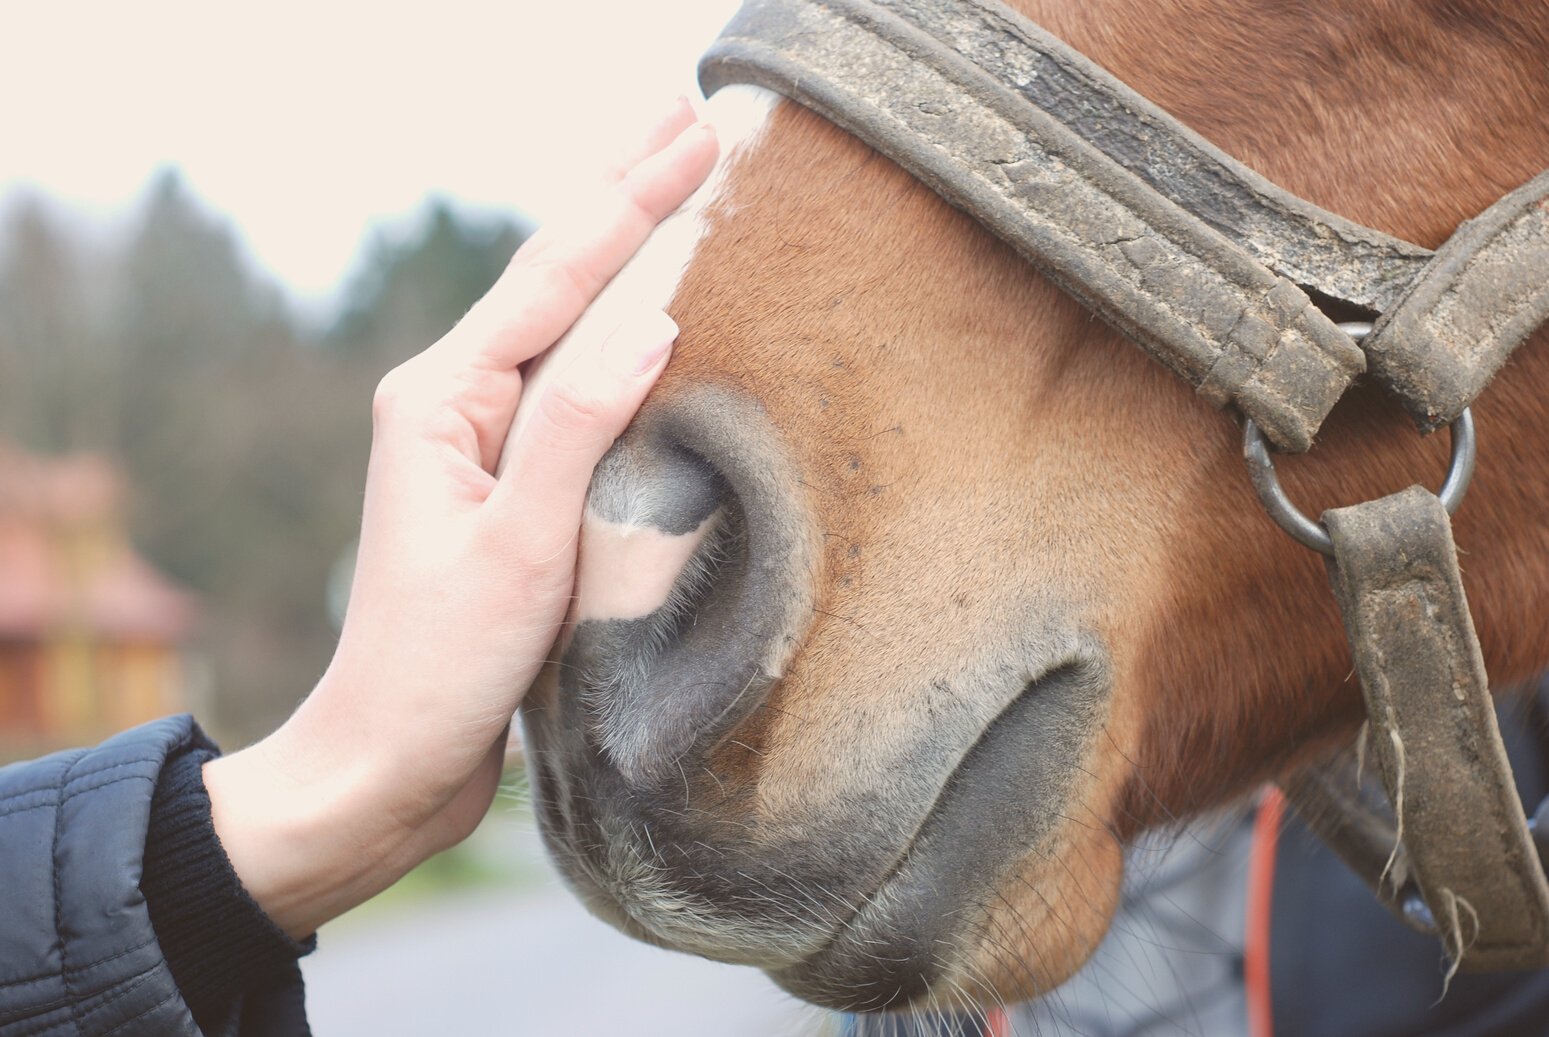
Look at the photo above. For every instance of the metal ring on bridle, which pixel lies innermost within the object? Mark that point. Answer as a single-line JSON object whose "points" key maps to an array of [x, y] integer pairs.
{"points": [[1261, 469]]}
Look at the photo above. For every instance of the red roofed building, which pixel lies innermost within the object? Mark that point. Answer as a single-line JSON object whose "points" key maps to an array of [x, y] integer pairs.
{"points": [[91, 636]]}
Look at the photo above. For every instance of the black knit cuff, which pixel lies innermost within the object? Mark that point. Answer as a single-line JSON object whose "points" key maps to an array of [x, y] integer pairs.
{"points": [[217, 941]]}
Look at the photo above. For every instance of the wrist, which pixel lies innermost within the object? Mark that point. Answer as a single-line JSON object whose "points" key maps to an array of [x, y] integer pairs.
{"points": [[304, 836]]}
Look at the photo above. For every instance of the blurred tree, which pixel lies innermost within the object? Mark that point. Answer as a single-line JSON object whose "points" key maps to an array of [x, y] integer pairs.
{"points": [[44, 333], [187, 295], [189, 328], [242, 464], [406, 293], [244, 436]]}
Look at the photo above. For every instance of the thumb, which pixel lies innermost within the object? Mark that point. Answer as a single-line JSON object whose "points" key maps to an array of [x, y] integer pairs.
{"points": [[573, 410]]}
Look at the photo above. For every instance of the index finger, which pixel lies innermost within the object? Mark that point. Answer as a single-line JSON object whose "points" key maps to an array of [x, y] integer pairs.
{"points": [[562, 268], [674, 122]]}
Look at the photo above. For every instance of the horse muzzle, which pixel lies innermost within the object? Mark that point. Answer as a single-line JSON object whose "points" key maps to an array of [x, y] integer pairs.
{"points": [[694, 800]]}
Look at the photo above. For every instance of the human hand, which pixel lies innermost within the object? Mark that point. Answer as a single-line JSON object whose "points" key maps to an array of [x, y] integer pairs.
{"points": [[465, 568]]}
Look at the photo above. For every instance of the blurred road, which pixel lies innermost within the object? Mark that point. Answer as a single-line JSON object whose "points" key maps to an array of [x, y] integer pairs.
{"points": [[529, 964]]}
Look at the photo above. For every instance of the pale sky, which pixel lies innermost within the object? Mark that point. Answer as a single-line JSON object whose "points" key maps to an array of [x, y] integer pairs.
{"points": [[307, 123]]}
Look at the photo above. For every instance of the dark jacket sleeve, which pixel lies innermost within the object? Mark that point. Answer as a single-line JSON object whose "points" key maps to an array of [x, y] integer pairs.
{"points": [[79, 950]]}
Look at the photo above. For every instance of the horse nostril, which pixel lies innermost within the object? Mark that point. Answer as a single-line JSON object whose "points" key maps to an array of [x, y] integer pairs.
{"points": [[695, 576], [660, 593], [653, 516]]}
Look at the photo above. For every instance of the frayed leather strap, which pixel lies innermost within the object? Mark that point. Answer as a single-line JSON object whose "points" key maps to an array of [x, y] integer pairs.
{"points": [[1461, 834]]}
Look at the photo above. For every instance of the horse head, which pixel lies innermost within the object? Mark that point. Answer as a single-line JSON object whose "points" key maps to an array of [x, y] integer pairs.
{"points": [[914, 592]]}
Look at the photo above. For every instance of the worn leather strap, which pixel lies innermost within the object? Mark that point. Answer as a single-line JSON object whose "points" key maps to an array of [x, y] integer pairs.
{"points": [[934, 85], [1289, 235], [1486, 291], [1432, 730], [896, 75]]}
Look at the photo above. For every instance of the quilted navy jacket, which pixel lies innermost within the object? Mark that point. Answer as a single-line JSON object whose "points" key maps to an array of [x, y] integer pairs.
{"points": [[79, 955]]}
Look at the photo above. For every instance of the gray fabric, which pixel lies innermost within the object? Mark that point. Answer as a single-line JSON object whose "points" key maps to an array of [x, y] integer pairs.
{"points": [[1433, 730], [78, 955], [1207, 309], [1485, 293]]}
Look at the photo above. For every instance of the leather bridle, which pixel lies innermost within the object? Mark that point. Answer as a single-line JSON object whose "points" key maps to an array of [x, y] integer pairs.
{"points": [[1209, 268]]}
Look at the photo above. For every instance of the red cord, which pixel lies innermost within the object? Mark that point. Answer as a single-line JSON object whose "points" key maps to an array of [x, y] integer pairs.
{"points": [[1261, 893]]}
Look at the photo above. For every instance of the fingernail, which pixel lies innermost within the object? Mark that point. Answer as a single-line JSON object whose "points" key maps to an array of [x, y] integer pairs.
{"points": [[651, 359], [671, 113], [644, 338]]}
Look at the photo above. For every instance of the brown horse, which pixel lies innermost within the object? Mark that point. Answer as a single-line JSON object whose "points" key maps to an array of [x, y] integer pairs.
{"points": [[935, 590]]}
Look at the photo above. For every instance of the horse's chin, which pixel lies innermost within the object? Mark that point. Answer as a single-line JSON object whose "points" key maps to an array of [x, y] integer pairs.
{"points": [[960, 886], [962, 899]]}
